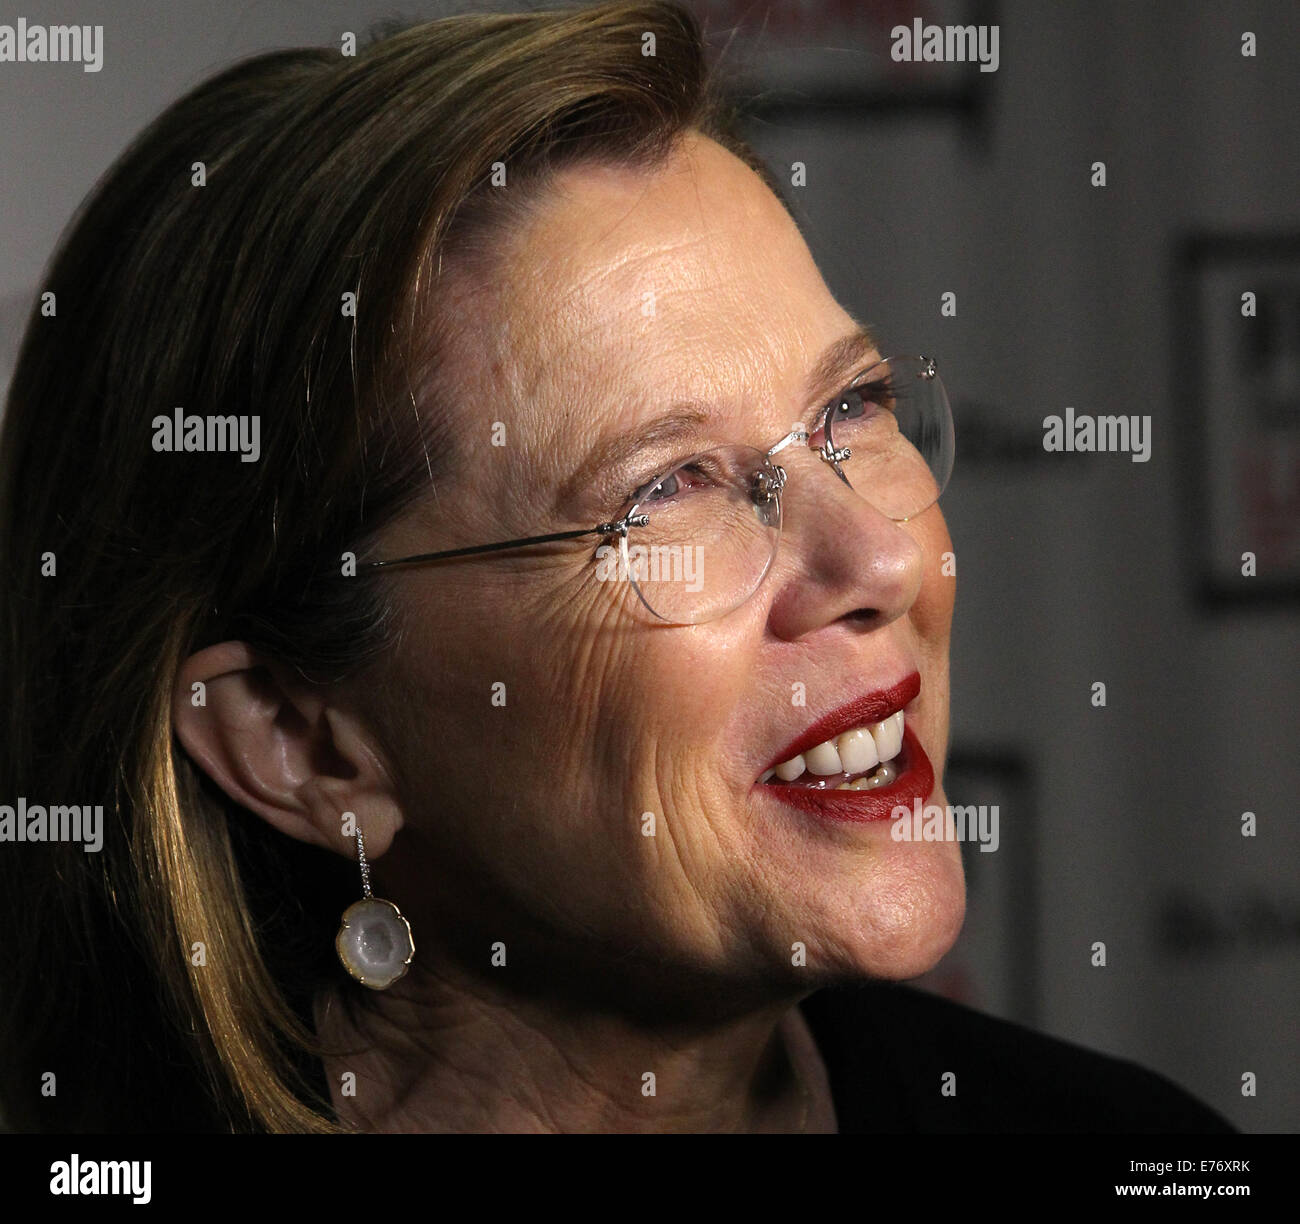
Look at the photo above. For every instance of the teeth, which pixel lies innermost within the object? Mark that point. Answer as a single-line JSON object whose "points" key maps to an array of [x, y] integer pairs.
{"points": [[824, 759], [854, 751], [889, 736], [788, 771], [882, 777], [858, 750]]}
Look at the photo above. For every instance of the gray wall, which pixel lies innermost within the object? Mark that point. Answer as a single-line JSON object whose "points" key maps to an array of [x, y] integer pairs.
{"points": [[1071, 569]]}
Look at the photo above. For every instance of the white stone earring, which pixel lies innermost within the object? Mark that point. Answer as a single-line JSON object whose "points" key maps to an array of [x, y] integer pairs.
{"points": [[374, 941]]}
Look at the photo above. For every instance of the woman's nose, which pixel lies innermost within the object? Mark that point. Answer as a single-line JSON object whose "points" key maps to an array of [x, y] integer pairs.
{"points": [[839, 556]]}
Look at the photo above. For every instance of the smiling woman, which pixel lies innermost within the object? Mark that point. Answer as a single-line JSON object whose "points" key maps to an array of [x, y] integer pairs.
{"points": [[605, 846]]}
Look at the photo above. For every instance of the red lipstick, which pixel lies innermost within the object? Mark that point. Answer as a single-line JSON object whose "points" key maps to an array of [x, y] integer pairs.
{"points": [[915, 778], [915, 781], [872, 708]]}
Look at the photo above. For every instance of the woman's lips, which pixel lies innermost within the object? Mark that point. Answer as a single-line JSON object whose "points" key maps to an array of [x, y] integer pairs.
{"points": [[915, 781], [861, 711]]}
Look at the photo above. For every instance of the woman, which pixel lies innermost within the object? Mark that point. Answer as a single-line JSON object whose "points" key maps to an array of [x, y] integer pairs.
{"points": [[625, 783]]}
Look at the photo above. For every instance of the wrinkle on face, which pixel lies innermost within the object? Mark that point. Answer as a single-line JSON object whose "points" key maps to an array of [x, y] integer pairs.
{"points": [[608, 714]]}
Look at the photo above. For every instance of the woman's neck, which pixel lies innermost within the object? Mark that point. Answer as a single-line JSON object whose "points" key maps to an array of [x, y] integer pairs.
{"points": [[429, 1056]]}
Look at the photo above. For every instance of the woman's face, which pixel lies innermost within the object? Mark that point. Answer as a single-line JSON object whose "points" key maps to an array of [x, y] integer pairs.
{"points": [[525, 805]]}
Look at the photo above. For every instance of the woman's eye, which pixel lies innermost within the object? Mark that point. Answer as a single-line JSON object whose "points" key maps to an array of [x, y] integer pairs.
{"points": [[665, 488], [676, 482], [864, 400], [848, 406]]}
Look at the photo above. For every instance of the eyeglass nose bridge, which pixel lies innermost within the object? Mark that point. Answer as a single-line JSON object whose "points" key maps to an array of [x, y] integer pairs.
{"points": [[795, 435], [830, 454]]}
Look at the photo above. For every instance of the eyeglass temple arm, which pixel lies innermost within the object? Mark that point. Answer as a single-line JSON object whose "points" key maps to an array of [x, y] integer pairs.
{"points": [[617, 528]]}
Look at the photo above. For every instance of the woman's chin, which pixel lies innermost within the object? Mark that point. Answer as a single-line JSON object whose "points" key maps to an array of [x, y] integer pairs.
{"points": [[902, 922]]}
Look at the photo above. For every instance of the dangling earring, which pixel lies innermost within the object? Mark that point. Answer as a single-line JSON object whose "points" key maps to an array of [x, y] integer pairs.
{"points": [[374, 941]]}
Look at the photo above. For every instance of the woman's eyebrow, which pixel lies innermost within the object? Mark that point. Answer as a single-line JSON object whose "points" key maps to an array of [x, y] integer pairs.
{"points": [[843, 358], [609, 454], [839, 360]]}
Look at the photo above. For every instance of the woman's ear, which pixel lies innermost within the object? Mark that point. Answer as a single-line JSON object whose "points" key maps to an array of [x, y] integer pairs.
{"points": [[280, 748]]}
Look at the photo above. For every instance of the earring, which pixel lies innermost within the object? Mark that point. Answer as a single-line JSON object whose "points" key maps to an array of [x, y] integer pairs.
{"points": [[374, 941]]}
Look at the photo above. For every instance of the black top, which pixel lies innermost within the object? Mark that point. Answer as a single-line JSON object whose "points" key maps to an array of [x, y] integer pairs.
{"points": [[887, 1048]]}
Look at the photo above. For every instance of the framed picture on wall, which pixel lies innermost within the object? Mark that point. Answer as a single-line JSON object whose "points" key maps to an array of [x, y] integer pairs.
{"points": [[1237, 315]]}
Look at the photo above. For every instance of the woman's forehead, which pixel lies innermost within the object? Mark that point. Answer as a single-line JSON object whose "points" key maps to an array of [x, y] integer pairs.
{"points": [[689, 279]]}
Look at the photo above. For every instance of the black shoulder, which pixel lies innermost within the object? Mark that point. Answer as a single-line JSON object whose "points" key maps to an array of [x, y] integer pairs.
{"points": [[902, 1060]]}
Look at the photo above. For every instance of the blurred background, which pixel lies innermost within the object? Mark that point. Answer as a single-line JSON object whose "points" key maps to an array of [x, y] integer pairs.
{"points": [[1164, 282]]}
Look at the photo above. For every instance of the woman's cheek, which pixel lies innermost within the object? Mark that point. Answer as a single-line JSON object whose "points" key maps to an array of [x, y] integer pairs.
{"points": [[932, 612]]}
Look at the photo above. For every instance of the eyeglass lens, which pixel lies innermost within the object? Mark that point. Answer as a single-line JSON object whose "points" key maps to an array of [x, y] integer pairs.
{"points": [[714, 522]]}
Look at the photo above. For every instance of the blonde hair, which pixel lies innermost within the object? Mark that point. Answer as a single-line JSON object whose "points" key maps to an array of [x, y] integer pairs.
{"points": [[166, 980]]}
